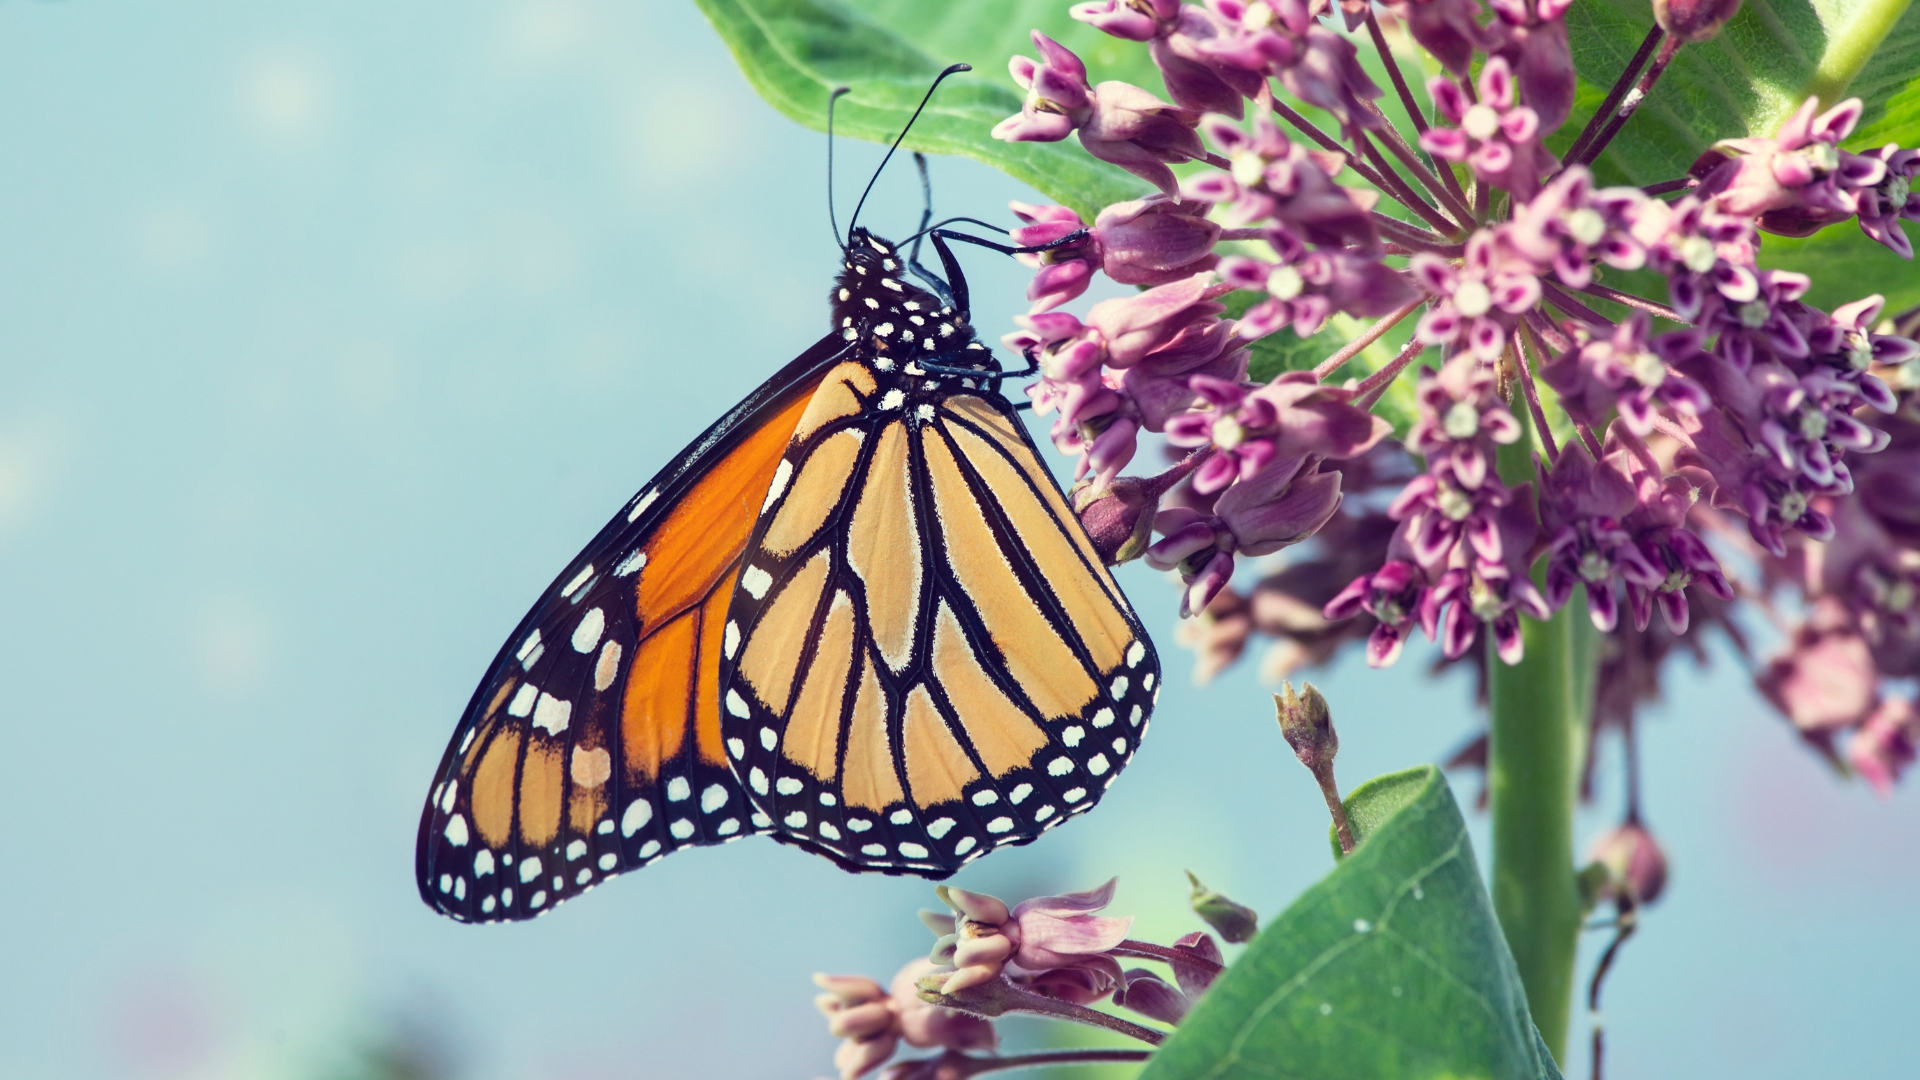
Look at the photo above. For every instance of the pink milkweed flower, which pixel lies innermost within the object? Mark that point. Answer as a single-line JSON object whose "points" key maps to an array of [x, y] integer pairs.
{"points": [[1826, 681], [1058, 97], [1627, 370], [1885, 745], [1477, 590], [1135, 326], [1033, 937], [1155, 240], [1291, 417], [1449, 29], [1140, 133], [1498, 138], [1129, 20], [873, 1021], [1762, 325], [1280, 37], [1847, 342], [1476, 302], [1798, 181], [1461, 420], [1702, 251], [1064, 272], [1678, 557], [1581, 504], [1884, 205], [1741, 480], [1283, 504], [1270, 176], [1438, 513], [1532, 37], [1569, 224], [1392, 595]]}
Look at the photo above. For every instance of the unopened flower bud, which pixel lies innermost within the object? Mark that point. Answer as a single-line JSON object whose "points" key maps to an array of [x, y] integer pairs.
{"points": [[1634, 861], [1119, 520], [1150, 996], [1694, 20], [1194, 978], [1235, 922], [1307, 725]]}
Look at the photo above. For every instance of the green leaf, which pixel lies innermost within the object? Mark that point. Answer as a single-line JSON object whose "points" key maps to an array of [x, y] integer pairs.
{"points": [[795, 52], [1392, 966], [1765, 62]]}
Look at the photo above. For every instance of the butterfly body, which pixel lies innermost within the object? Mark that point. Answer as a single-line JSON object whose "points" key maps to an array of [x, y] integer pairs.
{"points": [[856, 614]]}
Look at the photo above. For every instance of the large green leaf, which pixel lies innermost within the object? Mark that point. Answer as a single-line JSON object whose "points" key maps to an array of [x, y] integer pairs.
{"points": [[795, 52], [1770, 57], [1392, 966]]}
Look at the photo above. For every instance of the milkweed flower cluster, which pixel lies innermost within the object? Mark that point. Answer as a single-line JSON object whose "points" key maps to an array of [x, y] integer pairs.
{"points": [[1049, 955], [1558, 440]]}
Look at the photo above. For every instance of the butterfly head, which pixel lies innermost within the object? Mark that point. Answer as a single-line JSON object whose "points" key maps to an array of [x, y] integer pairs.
{"points": [[874, 303]]}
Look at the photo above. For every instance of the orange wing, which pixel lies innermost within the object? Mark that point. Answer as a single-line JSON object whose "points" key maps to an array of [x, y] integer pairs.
{"points": [[593, 745]]}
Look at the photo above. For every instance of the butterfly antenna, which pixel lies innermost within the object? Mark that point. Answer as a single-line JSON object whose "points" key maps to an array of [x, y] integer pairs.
{"points": [[937, 80], [831, 99]]}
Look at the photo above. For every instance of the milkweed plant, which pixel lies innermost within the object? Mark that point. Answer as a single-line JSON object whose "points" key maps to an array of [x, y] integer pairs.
{"points": [[1479, 389]]}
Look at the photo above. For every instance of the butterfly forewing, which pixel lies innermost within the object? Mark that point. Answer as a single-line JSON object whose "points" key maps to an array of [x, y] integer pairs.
{"points": [[930, 662], [593, 745]]}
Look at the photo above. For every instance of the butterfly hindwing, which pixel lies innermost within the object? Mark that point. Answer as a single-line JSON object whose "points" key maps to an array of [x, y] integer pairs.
{"points": [[931, 660], [593, 744]]}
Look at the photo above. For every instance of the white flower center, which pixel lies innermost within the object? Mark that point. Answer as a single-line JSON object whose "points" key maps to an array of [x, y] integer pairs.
{"points": [[1822, 156], [1285, 282], [1481, 121], [1258, 16], [1647, 369], [1793, 506], [1697, 252], [1227, 432], [1472, 299], [1813, 423], [1248, 168], [1586, 226], [1754, 314], [1462, 420]]}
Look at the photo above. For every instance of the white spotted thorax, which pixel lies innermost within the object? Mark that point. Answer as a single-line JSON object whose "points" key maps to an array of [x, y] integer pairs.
{"points": [[898, 327]]}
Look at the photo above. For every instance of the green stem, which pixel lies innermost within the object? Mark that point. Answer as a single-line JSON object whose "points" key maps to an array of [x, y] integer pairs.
{"points": [[1536, 740], [1851, 47]]}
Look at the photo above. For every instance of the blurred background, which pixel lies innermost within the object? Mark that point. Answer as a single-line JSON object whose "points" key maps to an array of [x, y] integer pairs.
{"points": [[329, 332]]}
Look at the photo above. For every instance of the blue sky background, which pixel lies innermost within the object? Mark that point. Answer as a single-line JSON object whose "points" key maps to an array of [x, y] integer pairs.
{"points": [[329, 332]]}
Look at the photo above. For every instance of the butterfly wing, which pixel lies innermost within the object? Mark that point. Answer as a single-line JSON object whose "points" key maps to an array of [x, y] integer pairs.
{"points": [[930, 659], [593, 744]]}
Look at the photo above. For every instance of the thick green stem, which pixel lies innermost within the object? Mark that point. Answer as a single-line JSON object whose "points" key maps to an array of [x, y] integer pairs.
{"points": [[1536, 742]]}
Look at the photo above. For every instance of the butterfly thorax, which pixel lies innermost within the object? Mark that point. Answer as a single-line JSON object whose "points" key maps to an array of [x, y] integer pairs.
{"points": [[895, 325]]}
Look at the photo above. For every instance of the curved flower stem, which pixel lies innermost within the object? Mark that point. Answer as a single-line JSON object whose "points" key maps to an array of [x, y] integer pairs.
{"points": [[1632, 102], [1619, 90], [1558, 298], [1147, 950], [1327, 142], [1376, 384], [1367, 337], [1400, 149], [1587, 436], [1393, 72], [1624, 925], [1044, 1058], [1532, 394], [1638, 448], [1668, 186], [1414, 236], [1636, 303], [1398, 188], [1001, 996], [1548, 332]]}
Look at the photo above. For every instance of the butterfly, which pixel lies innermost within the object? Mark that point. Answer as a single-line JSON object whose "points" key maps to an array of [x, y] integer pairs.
{"points": [[856, 614]]}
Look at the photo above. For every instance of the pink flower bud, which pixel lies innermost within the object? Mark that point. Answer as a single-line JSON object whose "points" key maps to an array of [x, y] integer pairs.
{"points": [[1149, 995], [1635, 864]]}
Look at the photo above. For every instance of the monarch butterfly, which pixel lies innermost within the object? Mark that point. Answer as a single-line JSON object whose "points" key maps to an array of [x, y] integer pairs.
{"points": [[856, 614]]}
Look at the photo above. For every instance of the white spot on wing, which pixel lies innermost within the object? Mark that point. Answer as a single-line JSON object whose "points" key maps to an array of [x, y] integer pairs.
{"points": [[678, 790], [965, 845], [1103, 717], [640, 505], [901, 817], [1060, 766], [859, 824], [1119, 688], [768, 740], [681, 829], [892, 399], [607, 666], [530, 869], [639, 812], [587, 634], [576, 849], [579, 579], [1020, 793], [756, 581], [552, 714], [1073, 735], [1074, 794], [457, 831], [737, 748], [1136, 652], [609, 861], [938, 829], [731, 639], [780, 477], [1000, 825], [758, 781], [986, 798], [796, 820], [913, 851], [635, 560], [649, 849], [827, 830], [787, 785], [1098, 766], [528, 648], [713, 798], [737, 705], [483, 863]]}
